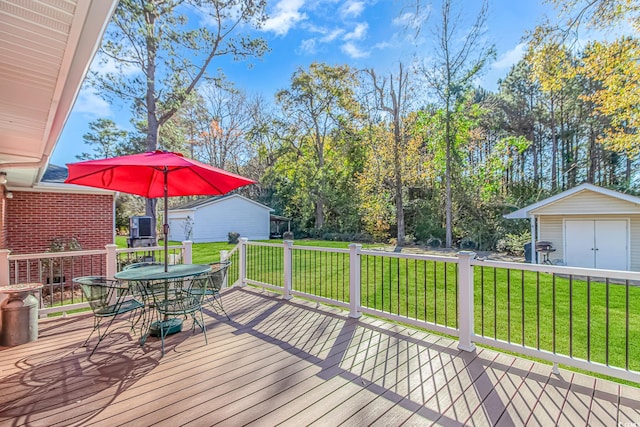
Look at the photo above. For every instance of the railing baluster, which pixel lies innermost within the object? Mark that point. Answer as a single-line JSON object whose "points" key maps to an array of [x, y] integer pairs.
{"points": [[606, 323], [508, 305], [589, 318], [522, 308], [554, 329], [495, 303], [446, 305], [482, 299], [570, 315], [538, 310], [626, 334]]}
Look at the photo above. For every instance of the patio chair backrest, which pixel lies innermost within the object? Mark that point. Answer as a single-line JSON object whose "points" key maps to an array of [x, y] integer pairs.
{"points": [[99, 291], [218, 274], [140, 264]]}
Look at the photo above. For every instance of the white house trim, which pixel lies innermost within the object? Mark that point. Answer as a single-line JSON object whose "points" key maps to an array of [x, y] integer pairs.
{"points": [[527, 211]]}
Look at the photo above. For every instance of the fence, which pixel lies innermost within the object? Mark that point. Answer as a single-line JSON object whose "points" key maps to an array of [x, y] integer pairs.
{"points": [[56, 270], [584, 318]]}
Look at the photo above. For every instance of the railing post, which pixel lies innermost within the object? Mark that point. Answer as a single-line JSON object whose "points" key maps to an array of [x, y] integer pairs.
{"points": [[5, 268], [224, 257], [354, 280], [465, 301], [288, 268], [243, 261], [112, 260], [187, 256]]}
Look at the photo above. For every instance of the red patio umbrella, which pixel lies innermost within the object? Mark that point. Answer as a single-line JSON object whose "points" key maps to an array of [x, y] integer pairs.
{"points": [[155, 174]]}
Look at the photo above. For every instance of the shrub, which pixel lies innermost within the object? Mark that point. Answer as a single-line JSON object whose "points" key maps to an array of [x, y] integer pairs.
{"points": [[468, 243], [434, 242], [362, 237], [233, 237], [513, 244], [287, 235]]}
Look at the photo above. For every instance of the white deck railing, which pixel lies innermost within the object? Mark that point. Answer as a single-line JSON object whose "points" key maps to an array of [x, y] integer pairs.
{"points": [[584, 318], [56, 270]]}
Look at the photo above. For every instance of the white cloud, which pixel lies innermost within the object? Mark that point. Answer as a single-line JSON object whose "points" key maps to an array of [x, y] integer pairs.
{"points": [[332, 35], [308, 47], [90, 104], [509, 58], [285, 16], [358, 33], [412, 20], [352, 9], [383, 45], [353, 51]]}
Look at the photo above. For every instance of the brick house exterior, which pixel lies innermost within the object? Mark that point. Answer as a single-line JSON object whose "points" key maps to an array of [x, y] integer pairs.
{"points": [[32, 218]]}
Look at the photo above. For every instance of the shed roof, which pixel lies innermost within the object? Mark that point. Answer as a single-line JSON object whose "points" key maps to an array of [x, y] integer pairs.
{"points": [[206, 201], [530, 210]]}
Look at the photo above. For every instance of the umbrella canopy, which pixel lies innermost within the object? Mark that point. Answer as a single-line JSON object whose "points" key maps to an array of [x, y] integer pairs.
{"points": [[144, 175], [155, 174]]}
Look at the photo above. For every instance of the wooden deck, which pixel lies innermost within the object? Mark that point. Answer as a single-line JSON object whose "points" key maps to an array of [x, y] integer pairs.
{"points": [[294, 364]]}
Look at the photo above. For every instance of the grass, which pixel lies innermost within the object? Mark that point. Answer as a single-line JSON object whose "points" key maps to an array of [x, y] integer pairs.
{"points": [[578, 318]]}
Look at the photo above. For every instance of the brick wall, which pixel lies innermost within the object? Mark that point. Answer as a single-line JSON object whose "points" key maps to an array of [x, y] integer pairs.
{"points": [[3, 219], [32, 220]]}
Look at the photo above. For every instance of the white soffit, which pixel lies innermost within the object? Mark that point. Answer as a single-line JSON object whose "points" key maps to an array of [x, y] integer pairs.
{"points": [[45, 51]]}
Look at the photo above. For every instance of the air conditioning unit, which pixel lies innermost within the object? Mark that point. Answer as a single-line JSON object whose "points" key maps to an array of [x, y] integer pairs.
{"points": [[140, 227]]}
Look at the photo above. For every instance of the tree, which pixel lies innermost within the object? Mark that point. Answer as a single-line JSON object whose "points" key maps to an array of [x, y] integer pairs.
{"points": [[318, 109], [392, 97], [611, 68], [105, 138], [458, 59], [160, 56]]}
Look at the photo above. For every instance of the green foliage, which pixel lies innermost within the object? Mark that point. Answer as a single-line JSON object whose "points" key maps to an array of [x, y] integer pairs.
{"points": [[105, 138], [233, 237], [287, 235], [513, 244]]}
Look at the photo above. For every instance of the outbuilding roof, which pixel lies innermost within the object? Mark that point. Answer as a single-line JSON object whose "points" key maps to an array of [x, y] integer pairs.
{"points": [[528, 211], [206, 201]]}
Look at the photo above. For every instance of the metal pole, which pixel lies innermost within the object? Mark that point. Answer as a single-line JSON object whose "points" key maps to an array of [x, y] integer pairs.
{"points": [[166, 212]]}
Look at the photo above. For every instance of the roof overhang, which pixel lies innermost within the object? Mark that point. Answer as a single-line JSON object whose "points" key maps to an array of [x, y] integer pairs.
{"points": [[530, 211], [46, 49], [55, 187]]}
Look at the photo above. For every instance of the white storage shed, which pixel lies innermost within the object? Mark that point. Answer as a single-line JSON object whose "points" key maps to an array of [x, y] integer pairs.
{"points": [[213, 218], [588, 226]]}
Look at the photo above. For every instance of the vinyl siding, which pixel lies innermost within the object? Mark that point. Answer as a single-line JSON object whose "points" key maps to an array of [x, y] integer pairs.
{"points": [[588, 203], [213, 222], [551, 229]]}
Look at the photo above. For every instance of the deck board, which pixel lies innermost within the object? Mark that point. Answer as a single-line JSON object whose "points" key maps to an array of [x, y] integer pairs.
{"points": [[290, 363]]}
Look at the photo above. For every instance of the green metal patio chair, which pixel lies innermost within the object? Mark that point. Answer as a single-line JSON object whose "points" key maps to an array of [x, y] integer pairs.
{"points": [[177, 297], [108, 299], [214, 281]]}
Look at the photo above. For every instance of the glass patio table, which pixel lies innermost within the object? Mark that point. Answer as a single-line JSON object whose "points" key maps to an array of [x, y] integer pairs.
{"points": [[154, 273]]}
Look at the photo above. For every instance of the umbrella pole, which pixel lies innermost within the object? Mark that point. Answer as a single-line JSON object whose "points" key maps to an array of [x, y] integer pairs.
{"points": [[165, 219]]}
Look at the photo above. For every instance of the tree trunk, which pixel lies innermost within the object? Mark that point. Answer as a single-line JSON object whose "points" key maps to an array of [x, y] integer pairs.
{"points": [[554, 149], [152, 119], [591, 172], [447, 178]]}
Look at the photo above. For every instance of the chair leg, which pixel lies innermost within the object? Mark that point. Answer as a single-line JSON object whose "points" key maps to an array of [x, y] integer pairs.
{"points": [[216, 297], [201, 324]]}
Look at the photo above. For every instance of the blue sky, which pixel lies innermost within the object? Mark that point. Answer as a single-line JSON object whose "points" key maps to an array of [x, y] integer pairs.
{"points": [[361, 33]]}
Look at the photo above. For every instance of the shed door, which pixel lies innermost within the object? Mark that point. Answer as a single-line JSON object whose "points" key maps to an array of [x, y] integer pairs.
{"points": [[611, 245], [596, 244]]}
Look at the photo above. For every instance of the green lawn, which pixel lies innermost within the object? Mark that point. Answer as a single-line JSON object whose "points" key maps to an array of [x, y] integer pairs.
{"points": [[539, 310], [557, 314]]}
